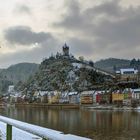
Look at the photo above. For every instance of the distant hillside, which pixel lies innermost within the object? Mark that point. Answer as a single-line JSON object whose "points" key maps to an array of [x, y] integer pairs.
{"points": [[110, 63], [16, 73]]}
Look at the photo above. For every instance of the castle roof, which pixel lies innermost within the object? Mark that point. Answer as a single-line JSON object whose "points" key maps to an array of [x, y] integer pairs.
{"points": [[65, 46]]}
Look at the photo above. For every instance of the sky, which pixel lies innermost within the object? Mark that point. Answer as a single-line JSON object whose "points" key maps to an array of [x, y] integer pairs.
{"points": [[31, 30]]}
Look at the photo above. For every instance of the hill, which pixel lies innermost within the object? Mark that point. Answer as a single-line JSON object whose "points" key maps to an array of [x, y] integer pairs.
{"points": [[64, 73], [16, 73], [111, 63]]}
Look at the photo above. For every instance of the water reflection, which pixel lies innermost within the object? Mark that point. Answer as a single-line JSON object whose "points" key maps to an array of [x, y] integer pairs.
{"points": [[100, 125]]}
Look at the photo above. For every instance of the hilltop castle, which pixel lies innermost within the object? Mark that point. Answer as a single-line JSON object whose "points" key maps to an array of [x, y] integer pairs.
{"points": [[66, 50]]}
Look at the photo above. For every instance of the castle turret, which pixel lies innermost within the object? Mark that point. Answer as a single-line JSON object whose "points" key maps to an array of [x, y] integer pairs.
{"points": [[65, 50]]}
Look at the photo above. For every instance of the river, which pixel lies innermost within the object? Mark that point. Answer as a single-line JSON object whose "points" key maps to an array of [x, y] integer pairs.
{"points": [[98, 125]]}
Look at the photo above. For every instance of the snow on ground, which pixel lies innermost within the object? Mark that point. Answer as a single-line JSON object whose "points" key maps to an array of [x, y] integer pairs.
{"points": [[17, 134], [78, 65]]}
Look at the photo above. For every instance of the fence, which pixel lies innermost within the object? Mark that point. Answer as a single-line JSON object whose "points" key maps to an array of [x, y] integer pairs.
{"points": [[44, 133]]}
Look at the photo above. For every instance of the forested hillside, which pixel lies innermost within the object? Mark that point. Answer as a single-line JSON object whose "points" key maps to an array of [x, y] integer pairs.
{"points": [[111, 63], [16, 73]]}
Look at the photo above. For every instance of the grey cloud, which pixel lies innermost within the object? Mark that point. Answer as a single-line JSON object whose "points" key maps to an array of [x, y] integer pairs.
{"points": [[73, 18], [118, 29], [35, 55], [124, 33], [80, 46], [25, 36], [109, 8], [22, 9], [116, 34], [85, 21]]}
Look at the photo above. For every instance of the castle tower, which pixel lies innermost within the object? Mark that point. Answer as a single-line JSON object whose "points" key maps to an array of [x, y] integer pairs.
{"points": [[65, 50]]}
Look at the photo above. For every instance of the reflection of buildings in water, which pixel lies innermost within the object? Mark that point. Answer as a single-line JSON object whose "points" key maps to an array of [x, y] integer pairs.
{"points": [[124, 119], [95, 123], [74, 120], [69, 119], [42, 115], [53, 117], [86, 118], [117, 120], [136, 120], [103, 119], [62, 119]]}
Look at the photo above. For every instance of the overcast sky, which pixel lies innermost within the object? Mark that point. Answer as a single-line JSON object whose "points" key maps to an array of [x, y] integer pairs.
{"points": [[31, 30]]}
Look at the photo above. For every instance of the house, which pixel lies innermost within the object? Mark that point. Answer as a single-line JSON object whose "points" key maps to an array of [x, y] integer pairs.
{"points": [[74, 97], [117, 97], [86, 97], [11, 89], [135, 97], [103, 97], [36, 97], [43, 96], [53, 97], [97, 96], [127, 96], [127, 74], [64, 98], [136, 94]]}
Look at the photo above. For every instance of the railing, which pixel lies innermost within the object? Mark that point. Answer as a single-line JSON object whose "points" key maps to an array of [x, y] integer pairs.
{"points": [[44, 133]]}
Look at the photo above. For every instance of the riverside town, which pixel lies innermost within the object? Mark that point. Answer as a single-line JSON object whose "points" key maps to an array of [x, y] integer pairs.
{"points": [[70, 70], [77, 83], [69, 94]]}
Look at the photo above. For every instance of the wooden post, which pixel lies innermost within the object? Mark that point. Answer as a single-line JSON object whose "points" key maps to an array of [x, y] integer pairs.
{"points": [[9, 132]]}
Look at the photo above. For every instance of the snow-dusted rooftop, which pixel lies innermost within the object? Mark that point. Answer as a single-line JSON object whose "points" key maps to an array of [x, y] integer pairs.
{"points": [[127, 71]]}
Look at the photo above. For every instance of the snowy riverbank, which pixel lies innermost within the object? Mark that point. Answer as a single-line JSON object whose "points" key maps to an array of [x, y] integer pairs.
{"points": [[111, 107], [34, 129], [17, 134]]}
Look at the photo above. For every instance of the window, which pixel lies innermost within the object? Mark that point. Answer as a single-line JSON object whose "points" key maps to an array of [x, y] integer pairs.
{"points": [[128, 72]]}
